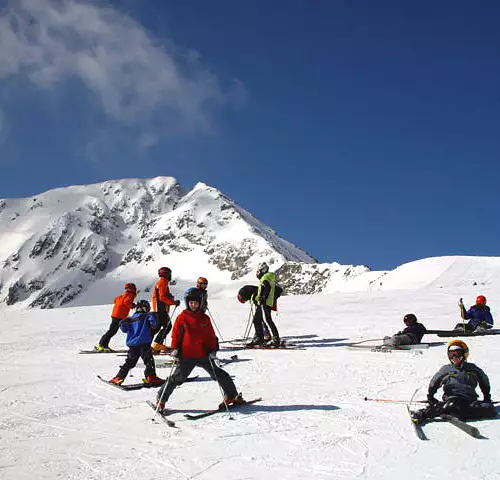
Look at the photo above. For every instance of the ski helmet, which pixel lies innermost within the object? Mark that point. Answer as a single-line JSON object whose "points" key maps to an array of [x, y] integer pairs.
{"points": [[142, 306], [241, 299], [410, 318], [201, 282], [130, 287], [458, 345], [481, 300], [165, 272], [193, 295], [262, 269]]}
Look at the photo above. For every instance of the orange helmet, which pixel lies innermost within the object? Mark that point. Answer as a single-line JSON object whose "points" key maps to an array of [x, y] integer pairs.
{"points": [[458, 345], [481, 300], [201, 282], [130, 287]]}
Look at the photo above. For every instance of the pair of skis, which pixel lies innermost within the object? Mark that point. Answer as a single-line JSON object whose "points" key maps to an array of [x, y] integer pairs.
{"points": [[465, 427], [164, 413], [137, 386]]}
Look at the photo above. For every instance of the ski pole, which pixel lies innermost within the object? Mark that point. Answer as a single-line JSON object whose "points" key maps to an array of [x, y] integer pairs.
{"points": [[164, 389], [246, 335], [386, 400], [364, 341], [214, 324], [220, 388]]}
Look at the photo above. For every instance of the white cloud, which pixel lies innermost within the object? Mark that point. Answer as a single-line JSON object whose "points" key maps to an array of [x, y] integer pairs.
{"points": [[137, 81]]}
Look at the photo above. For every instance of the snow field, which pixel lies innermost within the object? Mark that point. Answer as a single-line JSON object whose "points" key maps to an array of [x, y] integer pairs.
{"points": [[57, 420]]}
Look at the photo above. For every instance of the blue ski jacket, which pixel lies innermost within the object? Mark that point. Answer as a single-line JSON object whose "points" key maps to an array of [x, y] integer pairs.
{"points": [[479, 315], [138, 328]]}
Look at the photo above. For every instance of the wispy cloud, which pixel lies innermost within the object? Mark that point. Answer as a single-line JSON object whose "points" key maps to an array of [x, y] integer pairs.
{"points": [[137, 80]]}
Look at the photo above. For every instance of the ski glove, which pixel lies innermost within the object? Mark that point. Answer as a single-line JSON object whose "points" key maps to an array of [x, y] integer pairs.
{"points": [[212, 355], [177, 303], [174, 353]]}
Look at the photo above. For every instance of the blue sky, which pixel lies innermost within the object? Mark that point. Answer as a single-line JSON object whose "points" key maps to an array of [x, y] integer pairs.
{"points": [[364, 132]]}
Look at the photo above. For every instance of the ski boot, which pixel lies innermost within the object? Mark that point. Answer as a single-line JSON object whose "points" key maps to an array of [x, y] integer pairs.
{"points": [[153, 380], [238, 400]]}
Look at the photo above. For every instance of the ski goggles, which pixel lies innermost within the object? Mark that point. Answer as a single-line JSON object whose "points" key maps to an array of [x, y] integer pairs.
{"points": [[455, 354]]}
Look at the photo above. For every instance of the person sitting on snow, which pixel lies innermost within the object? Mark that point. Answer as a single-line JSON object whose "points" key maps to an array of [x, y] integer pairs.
{"points": [[411, 335], [459, 380], [479, 316]]}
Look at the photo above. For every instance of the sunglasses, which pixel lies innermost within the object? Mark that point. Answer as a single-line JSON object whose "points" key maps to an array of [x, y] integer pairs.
{"points": [[456, 354]]}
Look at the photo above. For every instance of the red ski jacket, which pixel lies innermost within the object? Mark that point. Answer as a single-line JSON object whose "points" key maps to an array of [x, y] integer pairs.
{"points": [[193, 334]]}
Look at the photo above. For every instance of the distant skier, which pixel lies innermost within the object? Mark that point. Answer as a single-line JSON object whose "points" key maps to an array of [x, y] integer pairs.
{"points": [[162, 300], [138, 329], [264, 301], [411, 335], [459, 380], [194, 344], [121, 309], [201, 286], [479, 316]]}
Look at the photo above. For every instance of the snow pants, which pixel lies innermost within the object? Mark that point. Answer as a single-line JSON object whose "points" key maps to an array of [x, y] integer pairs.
{"points": [[113, 328], [165, 325], [185, 367], [258, 322], [395, 340], [458, 407], [134, 353]]}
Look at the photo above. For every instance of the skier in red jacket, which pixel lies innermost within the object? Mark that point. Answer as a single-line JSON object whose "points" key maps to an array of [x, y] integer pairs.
{"points": [[194, 344]]}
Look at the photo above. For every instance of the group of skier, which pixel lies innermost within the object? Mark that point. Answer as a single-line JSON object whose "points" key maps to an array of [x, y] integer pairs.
{"points": [[194, 343], [458, 379]]}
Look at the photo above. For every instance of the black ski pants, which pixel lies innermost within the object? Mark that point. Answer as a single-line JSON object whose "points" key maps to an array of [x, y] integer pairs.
{"points": [[134, 353], [113, 328], [460, 408], [165, 325], [258, 322], [185, 367]]}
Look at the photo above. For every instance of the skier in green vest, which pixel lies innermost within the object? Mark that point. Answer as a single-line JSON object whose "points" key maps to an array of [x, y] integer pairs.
{"points": [[264, 302]]}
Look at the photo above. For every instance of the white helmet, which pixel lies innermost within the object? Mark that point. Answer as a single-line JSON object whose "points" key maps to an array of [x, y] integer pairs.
{"points": [[262, 269]]}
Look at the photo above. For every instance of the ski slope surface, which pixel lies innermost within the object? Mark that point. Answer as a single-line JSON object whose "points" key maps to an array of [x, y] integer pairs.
{"points": [[57, 420]]}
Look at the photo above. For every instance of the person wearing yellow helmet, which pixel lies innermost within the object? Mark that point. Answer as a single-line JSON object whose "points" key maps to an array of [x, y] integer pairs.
{"points": [[459, 380]]}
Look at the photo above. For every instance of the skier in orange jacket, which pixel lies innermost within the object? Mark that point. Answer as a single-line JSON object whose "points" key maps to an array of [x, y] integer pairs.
{"points": [[162, 299], [121, 309]]}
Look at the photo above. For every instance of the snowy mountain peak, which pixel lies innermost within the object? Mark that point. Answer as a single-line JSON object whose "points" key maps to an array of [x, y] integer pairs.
{"points": [[79, 244]]}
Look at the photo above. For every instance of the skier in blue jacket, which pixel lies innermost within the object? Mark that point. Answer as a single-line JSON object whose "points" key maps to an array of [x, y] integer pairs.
{"points": [[139, 336], [479, 315]]}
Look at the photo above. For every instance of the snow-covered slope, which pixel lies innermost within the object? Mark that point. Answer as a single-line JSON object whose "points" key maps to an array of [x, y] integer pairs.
{"points": [[78, 245], [58, 421]]}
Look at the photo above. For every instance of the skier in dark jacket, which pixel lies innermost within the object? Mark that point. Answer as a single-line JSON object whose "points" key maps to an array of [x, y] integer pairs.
{"points": [[264, 301], [411, 335], [138, 329], [459, 380], [479, 316], [194, 344]]}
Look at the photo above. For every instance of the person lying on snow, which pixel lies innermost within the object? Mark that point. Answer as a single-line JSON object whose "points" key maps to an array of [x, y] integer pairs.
{"points": [[458, 380], [479, 316], [411, 335], [194, 344]]}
